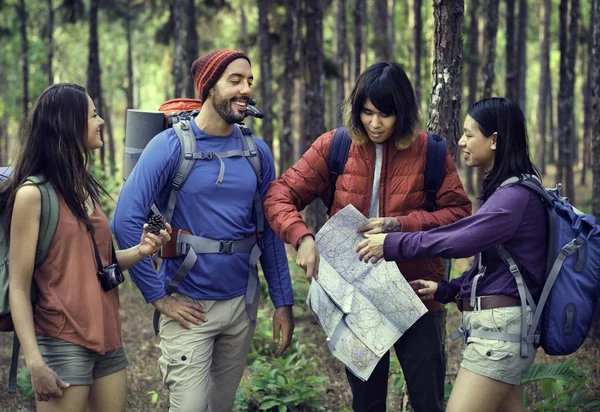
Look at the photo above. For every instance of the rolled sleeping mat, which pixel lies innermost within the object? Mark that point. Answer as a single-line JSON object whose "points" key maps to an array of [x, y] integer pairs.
{"points": [[140, 128]]}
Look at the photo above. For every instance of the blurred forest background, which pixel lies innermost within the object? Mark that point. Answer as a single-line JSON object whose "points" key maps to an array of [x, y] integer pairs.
{"points": [[306, 55]]}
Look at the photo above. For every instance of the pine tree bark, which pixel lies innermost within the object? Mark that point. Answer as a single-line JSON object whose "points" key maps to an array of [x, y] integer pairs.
{"points": [[314, 102], [177, 10], [446, 91], [417, 29], [360, 28], [595, 84], [22, 16], [522, 54], [489, 45], [552, 124], [512, 68], [129, 79], [191, 46], [266, 72], [473, 59], [391, 33], [94, 73], [341, 48], [380, 30], [290, 74], [568, 53], [587, 104], [49, 70], [544, 36]]}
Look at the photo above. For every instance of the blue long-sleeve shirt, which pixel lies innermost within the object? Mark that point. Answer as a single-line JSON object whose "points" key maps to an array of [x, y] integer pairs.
{"points": [[222, 212], [513, 216]]}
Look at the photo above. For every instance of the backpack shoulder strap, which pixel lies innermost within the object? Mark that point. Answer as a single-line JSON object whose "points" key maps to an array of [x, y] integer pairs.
{"points": [[249, 146], [187, 141], [336, 160], [435, 167], [48, 216]]}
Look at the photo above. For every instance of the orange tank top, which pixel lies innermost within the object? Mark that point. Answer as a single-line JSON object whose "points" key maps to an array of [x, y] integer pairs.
{"points": [[72, 306]]}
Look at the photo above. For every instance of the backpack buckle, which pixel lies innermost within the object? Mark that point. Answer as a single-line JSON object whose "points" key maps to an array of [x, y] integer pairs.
{"points": [[204, 155], [226, 247], [177, 181]]}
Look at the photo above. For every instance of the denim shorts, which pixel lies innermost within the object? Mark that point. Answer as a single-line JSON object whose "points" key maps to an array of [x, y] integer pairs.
{"points": [[496, 359], [77, 365]]}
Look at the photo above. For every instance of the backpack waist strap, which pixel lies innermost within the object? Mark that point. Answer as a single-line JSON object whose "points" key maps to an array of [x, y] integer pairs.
{"points": [[487, 302]]}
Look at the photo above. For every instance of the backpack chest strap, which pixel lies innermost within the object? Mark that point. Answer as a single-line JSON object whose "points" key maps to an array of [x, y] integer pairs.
{"points": [[219, 156]]}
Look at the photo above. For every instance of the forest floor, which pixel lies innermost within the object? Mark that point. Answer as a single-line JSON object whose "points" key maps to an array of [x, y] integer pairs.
{"points": [[147, 393]]}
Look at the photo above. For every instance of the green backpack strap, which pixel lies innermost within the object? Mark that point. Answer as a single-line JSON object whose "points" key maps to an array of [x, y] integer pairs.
{"points": [[48, 223], [48, 217]]}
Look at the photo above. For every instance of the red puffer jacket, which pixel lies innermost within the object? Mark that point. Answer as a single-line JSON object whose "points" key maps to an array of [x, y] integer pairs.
{"points": [[401, 193]]}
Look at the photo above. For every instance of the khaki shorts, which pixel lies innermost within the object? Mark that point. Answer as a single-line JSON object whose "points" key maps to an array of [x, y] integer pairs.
{"points": [[77, 365], [496, 359]]}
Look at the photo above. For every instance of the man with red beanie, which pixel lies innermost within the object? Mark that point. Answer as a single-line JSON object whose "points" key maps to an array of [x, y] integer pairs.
{"points": [[207, 323]]}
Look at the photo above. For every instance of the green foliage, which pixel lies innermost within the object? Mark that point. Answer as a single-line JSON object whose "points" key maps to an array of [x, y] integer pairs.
{"points": [[396, 375], [24, 384], [112, 185], [564, 387], [153, 397], [282, 384]]}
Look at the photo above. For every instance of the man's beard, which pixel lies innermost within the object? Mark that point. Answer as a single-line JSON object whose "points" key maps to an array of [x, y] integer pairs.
{"points": [[224, 108]]}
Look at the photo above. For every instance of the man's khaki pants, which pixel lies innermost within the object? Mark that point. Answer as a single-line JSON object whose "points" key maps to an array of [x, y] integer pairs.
{"points": [[202, 366]]}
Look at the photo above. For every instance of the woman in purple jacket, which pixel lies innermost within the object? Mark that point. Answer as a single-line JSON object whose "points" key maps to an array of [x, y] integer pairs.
{"points": [[489, 378]]}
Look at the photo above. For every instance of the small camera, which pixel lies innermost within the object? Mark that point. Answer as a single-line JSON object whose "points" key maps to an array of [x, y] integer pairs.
{"points": [[111, 276]]}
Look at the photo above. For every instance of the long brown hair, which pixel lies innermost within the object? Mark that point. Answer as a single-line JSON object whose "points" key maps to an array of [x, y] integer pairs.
{"points": [[53, 145]]}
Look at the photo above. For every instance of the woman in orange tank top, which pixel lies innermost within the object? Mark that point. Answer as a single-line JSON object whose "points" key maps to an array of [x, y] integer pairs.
{"points": [[71, 337]]}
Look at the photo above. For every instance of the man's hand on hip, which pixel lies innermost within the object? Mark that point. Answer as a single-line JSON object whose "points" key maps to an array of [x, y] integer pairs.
{"points": [[283, 324], [181, 310]]}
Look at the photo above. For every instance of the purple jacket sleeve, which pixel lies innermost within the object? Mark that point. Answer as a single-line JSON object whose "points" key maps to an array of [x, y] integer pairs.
{"points": [[495, 222]]}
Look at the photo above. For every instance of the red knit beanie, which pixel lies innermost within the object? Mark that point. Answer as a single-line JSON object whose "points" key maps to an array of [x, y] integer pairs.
{"points": [[207, 68]]}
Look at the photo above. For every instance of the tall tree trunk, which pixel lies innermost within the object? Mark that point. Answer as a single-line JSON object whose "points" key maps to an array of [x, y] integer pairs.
{"points": [[340, 54], [129, 78], [290, 73], [568, 53], [522, 54], [94, 74], [110, 137], [544, 38], [242, 44], [360, 28], [191, 46], [266, 73], [489, 45], [446, 91], [473, 59], [417, 30], [178, 49], [49, 70], [22, 15], [552, 124], [380, 30], [587, 103], [391, 33], [512, 68], [595, 84], [313, 71]]}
